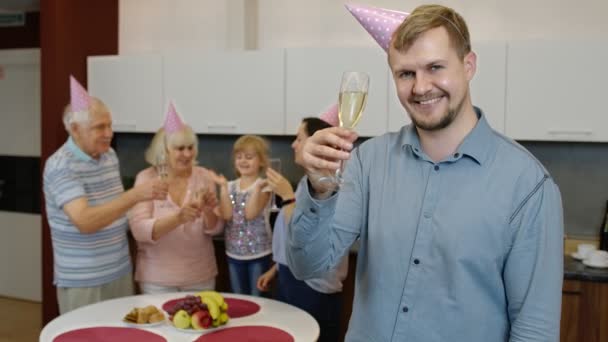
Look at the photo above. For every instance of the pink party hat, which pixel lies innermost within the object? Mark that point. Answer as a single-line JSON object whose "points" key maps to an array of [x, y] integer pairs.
{"points": [[173, 122], [79, 98], [330, 115], [380, 23]]}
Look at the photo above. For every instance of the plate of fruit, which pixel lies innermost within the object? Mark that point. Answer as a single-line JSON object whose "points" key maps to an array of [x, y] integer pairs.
{"points": [[199, 312]]}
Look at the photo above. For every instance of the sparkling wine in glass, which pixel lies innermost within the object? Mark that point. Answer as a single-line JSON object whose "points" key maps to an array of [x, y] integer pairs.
{"points": [[275, 164], [351, 103], [162, 169]]}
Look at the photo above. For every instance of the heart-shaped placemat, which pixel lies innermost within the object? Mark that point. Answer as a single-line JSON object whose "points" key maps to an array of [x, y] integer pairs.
{"points": [[247, 333], [109, 334]]}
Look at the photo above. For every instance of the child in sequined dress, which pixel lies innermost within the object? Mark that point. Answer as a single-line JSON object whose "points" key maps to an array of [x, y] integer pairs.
{"points": [[245, 209]]}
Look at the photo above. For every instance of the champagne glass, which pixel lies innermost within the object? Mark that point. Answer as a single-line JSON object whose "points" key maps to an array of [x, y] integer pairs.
{"points": [[351, 103], [162, 168], [275, 164]]}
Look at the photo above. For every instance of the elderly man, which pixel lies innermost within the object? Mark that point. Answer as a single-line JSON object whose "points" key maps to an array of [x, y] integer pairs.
{"points": [[86, 206], [460, 228]]}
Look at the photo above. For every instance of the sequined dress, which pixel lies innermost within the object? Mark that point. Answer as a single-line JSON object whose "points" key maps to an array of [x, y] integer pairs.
{"points": [[246, 239]]}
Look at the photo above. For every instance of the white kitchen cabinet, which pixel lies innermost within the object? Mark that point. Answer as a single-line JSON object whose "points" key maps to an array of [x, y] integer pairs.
{"points": [[20, 102], [487, 87], [220, 92], [132, 87], [313, 78], [556, 89]]}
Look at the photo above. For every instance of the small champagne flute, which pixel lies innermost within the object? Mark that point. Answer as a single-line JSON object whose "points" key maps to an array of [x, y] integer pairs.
{"points": [[162, 168], [351, 103], [275, 164]]}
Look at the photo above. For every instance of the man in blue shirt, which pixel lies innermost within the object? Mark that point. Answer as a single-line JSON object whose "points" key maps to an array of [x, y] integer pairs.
{"points": [[86, 206], [460, 228]]}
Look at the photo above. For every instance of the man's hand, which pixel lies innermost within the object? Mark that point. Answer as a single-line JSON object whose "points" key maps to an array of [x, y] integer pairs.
{"points": [[155, 189], [322, 154]]}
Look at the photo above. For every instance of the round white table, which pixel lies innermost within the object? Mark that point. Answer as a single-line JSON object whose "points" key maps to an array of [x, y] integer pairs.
{"points": [[301, 325]]}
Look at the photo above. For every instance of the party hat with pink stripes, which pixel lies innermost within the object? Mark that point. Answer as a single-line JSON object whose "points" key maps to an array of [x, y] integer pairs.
{"points": [[330, 115], [173, 122], [380, 23], [79, 98]]}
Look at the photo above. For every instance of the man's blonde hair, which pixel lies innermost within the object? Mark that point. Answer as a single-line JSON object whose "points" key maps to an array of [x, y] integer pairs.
{"points": [[427, 17]]}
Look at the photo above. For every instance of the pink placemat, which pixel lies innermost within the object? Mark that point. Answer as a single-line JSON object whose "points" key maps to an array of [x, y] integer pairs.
{"points": [[236, 307], [253, 333], [109, 334]]}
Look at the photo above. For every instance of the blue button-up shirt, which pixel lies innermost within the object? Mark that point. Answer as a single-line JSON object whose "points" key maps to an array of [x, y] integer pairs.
{"points": [[466, 249]]}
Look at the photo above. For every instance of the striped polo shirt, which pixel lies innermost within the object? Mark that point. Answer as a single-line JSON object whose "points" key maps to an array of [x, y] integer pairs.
{"points": [[84, 260]]}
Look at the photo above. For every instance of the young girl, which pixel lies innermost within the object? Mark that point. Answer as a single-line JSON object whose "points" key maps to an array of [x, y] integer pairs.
{"points": [[245, 208]]}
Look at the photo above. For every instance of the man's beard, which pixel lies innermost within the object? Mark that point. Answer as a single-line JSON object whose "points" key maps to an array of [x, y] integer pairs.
{"points": [[444, 122]]}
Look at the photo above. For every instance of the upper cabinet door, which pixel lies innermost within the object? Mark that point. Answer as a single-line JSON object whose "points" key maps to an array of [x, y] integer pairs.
{"points": [[313, 82], [20, 102], [488, 84], [131, 86], [556, 90], [221, 92], [487, 87]]}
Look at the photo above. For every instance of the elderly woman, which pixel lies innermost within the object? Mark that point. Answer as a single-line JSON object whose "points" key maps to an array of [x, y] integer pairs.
{"points": [[174, 236]]}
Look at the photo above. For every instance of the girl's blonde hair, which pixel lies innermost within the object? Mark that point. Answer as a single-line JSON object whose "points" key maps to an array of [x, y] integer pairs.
{"points": [[251, 142], [161, 142]]}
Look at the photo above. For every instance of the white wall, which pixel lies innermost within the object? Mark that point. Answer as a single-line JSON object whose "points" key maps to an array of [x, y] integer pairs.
{"points": [[156, 25], [20, 256], [20, 102], [164, 25], [20, 234]]}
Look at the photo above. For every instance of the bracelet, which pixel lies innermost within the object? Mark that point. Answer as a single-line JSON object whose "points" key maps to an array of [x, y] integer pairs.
{"points": [[288, 201]]}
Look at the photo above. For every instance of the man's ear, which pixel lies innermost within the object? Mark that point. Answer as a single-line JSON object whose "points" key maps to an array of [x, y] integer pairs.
{"points": [[74, 129], [470, 65]]}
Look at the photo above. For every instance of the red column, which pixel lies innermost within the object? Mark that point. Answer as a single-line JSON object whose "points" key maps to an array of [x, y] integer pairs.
{"points": [[70, 30]]}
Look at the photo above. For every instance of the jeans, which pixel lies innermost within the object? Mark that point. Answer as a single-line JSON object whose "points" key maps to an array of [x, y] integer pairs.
{"points": [[324, 307], [244, 274]]}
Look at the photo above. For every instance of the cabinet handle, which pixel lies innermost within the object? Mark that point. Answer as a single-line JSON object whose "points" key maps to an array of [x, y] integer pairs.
{"points": [[570, 132], [213, 127]]}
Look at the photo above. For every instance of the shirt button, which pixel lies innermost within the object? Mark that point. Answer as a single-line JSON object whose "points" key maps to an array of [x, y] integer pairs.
{"points": [[405, 309], [416, 261], [456, 155], [313, 210], [436, 167]]}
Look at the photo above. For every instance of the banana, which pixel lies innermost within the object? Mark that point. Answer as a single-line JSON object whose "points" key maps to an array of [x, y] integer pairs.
{"points": [[223, 318], [212, 306], [213, 294], [215, 323], [224, 306]]}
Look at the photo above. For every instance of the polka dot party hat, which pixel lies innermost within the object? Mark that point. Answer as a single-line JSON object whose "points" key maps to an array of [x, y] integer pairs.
{"points": [[173, 122], [330, 115], [79, 98], [380, 23]]}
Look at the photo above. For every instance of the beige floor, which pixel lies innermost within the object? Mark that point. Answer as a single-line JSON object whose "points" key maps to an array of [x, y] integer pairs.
{"points": [[20, 321]]}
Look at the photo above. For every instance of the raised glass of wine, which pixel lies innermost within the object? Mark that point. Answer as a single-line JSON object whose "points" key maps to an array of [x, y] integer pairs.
{"points": [[351, 103]]}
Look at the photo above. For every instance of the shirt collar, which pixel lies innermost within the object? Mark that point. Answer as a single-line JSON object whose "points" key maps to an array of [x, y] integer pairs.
{"points": [[476, 145], [80, 154]]}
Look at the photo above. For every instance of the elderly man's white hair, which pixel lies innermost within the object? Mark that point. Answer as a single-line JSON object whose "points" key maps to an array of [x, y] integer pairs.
{"points": [[82, 117]]}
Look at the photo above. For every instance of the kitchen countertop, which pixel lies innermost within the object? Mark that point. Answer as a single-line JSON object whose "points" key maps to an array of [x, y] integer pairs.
{"points": [[575, 270]]}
